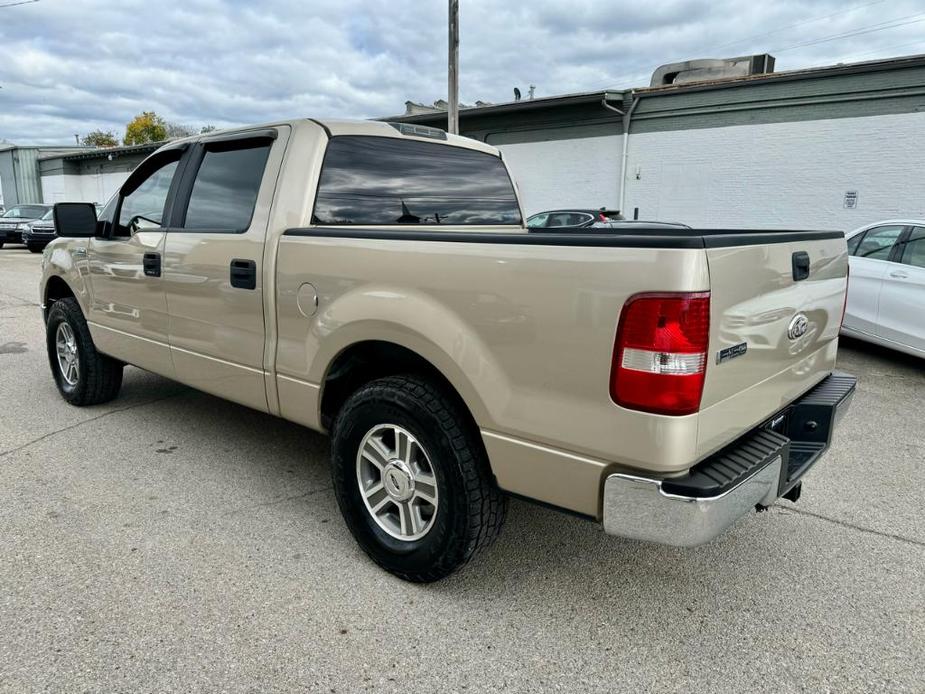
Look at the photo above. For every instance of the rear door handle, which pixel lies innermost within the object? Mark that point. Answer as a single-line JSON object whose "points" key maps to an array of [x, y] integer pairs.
{"points": [[899, 274], [151, 264], [244, 274]]}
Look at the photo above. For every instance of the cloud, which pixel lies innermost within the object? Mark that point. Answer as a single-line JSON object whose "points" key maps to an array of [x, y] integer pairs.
{"points": [[69, 67]]}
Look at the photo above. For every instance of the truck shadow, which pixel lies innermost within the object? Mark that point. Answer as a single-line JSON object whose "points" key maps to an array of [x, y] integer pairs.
{"points": [[540, 552]]}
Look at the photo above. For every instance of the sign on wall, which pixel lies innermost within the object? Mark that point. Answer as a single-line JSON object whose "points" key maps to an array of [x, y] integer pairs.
{"points": [[851, 199]]}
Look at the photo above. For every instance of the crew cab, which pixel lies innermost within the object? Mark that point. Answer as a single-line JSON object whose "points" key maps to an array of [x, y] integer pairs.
{"points": [[376, 281]]}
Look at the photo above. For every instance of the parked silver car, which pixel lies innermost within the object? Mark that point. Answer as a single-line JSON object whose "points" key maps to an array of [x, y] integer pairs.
{"points": [[886, 288]]}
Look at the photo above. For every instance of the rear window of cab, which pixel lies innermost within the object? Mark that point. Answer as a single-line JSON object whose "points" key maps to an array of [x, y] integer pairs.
{"points": [[385, 180]]}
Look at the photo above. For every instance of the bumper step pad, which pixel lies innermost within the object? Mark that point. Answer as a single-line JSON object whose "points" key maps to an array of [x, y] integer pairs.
{"points": [[727, 469], [804, 434], [754, 471]]}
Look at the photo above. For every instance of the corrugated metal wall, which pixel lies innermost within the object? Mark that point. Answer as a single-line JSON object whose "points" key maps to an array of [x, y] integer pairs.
{"points": [[19, 176], [7, 187], [26, 175]]}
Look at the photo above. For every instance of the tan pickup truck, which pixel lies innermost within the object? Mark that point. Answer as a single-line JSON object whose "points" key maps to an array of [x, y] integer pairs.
{"points": [[376, 281]]}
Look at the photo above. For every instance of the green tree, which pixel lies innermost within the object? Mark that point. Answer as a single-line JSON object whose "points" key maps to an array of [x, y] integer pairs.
{"points": [[100, 138], [144, 128], [207, 129]]}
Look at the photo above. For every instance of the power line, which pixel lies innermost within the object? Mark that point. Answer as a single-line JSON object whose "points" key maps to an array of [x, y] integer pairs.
{"points": [[869, 29], [859, 31], [780, 29], [855, 56], [21, 2], [842, 11], [866, 29]]}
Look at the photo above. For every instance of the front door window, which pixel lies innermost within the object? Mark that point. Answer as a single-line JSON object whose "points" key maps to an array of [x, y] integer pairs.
{"points": [[143, 208]]}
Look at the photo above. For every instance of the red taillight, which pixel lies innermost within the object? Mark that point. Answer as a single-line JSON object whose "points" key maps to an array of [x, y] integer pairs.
{"points": [[660, 357]]}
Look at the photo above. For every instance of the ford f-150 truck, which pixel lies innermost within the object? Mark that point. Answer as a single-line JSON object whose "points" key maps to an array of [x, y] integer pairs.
{"points": [[376, 281]]}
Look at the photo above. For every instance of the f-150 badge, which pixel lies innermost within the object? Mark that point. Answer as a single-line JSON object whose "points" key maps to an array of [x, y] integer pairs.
{"points": [[731, 352]]}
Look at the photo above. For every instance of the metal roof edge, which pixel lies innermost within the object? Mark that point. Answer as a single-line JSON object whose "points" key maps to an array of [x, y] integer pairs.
{"points": [[510, 106], [104, 152], [917, 60]]}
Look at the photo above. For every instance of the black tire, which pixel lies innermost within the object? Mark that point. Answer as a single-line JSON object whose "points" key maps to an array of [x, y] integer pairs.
{"points": [[35, 247], [471, 508], [99, 377], [1, 243]]}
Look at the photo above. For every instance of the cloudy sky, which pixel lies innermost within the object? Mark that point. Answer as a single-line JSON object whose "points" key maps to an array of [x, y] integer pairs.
{"points": [[70, 66]]}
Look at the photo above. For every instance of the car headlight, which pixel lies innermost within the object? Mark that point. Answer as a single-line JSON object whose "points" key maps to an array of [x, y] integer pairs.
{"points": [[22, 227]]}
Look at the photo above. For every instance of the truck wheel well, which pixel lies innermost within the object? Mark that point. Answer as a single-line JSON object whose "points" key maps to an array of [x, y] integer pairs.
{"points": [[55, 290], [366, 361]]}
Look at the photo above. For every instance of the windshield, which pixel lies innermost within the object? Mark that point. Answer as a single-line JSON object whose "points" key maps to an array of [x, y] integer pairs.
{"points": [[28, 211], [48, 215]]}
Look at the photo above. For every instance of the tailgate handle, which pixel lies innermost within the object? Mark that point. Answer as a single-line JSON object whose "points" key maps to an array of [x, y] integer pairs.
{"points": [[151, 264], [800, 266]]}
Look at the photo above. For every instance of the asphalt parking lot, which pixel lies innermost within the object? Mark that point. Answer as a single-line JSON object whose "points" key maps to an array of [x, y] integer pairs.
{"points": [[171, 541]]}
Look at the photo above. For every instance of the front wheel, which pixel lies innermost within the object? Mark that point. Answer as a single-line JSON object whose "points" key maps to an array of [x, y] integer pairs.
{"points": [[35, 247], [83, 375], [412, 479]]}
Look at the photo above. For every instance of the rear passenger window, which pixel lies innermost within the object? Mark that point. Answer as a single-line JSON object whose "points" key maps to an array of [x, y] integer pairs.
{"points": [[225, 190], [386, 180], [914, 251], [878, 243]]}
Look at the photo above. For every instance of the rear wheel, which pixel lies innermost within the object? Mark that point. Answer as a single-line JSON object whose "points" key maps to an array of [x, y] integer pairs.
{"points": [[83, 375], [412, 479], [1, 243]]}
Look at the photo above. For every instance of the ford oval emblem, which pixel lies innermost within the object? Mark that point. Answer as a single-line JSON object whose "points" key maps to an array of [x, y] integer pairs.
{"points": [[799, 324]]}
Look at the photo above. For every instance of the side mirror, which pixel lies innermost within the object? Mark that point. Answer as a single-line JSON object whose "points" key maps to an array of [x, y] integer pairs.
{"points": [[75, 219]]}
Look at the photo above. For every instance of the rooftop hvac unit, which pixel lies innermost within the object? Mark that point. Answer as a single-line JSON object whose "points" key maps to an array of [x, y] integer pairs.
{"points": [[708, 69]]}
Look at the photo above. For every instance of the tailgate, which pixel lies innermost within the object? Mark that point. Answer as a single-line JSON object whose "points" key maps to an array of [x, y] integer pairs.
{"points": [[773, 327]]}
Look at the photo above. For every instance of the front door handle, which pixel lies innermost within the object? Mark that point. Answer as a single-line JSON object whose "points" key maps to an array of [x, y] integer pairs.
{"points": [[899, 274], [151, 263], [244, 274]]}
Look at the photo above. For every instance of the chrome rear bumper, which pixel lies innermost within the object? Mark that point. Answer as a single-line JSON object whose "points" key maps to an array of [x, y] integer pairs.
{"points": [[755, 471]]}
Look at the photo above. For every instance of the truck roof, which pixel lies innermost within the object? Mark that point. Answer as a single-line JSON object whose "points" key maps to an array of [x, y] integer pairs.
{"points": [[370, 128], [401, 130]]}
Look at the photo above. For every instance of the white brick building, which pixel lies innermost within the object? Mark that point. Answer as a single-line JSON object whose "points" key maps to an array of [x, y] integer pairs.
{"points": [[833, 147]]}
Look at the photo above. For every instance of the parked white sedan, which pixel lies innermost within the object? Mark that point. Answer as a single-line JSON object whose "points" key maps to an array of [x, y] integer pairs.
{"points": [[886, 287]]}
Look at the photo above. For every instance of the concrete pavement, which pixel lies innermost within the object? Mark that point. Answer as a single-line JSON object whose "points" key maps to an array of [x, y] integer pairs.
{"points": [[171, 541]]}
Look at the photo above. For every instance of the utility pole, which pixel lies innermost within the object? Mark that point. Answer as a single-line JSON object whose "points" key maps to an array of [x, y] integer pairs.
{"points": [[453, 71]]}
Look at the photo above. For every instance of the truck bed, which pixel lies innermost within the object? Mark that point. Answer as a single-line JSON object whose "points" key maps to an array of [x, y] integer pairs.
{"points": [[523, 324]]}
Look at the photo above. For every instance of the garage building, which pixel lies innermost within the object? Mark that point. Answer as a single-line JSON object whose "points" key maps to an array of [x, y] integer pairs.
{"points": [[89, 175], [19, 171]]}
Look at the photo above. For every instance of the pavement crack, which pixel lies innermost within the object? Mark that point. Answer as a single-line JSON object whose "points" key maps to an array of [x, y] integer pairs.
{"points": [[852, 526], [41, 438]]}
